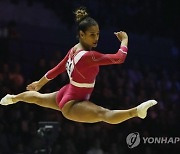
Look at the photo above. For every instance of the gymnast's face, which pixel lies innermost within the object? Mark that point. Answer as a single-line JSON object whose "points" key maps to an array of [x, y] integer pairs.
{"points": [[90, 37]]}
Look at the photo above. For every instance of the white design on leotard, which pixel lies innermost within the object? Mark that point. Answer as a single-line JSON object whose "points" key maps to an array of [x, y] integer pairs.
{"points": [[73, 61]]}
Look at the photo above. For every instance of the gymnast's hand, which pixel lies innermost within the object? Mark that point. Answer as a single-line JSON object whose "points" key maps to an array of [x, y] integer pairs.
{"points": [[34, 86], [121, 35]]}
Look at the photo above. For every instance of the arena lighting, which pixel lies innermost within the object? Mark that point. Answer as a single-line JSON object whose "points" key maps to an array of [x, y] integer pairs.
{"points": [[48, 133]]}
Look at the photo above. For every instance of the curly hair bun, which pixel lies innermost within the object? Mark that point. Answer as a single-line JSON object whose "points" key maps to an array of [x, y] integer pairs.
{"points": [[80, 14]]}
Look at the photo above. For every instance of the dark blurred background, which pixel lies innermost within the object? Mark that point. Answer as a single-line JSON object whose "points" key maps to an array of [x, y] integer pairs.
{"points": [[34, 37]]}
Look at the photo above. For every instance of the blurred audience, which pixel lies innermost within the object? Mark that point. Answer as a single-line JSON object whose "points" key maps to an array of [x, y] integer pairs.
{"points": [[117, 87]]}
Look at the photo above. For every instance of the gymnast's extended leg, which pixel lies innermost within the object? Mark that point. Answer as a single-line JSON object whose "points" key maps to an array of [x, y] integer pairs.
{"points": [[89, 112], [34, 97]]}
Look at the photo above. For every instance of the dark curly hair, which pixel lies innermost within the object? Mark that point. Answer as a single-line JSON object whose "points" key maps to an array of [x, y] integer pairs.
{"points": [[83, 20]]}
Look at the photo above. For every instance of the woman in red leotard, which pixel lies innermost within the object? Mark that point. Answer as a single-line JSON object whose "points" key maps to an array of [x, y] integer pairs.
{"points": [[82, 65]]}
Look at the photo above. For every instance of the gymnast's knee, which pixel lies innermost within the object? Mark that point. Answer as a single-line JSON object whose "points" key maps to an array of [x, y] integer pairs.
{"points": [[102, 114], [36, 97]]}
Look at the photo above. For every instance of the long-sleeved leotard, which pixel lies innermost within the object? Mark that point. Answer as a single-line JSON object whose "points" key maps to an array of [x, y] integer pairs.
{"points": [[82, 68]]}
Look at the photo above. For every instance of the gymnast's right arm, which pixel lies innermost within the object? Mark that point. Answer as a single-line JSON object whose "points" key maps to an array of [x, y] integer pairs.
{"points": [[51, 74]]}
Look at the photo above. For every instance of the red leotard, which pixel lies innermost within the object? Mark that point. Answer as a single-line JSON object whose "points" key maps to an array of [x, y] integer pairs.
{"points": [[82, 68]]}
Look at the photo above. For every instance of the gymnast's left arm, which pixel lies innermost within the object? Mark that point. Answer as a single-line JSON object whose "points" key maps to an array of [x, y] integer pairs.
{"points": [[97, 58]]}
